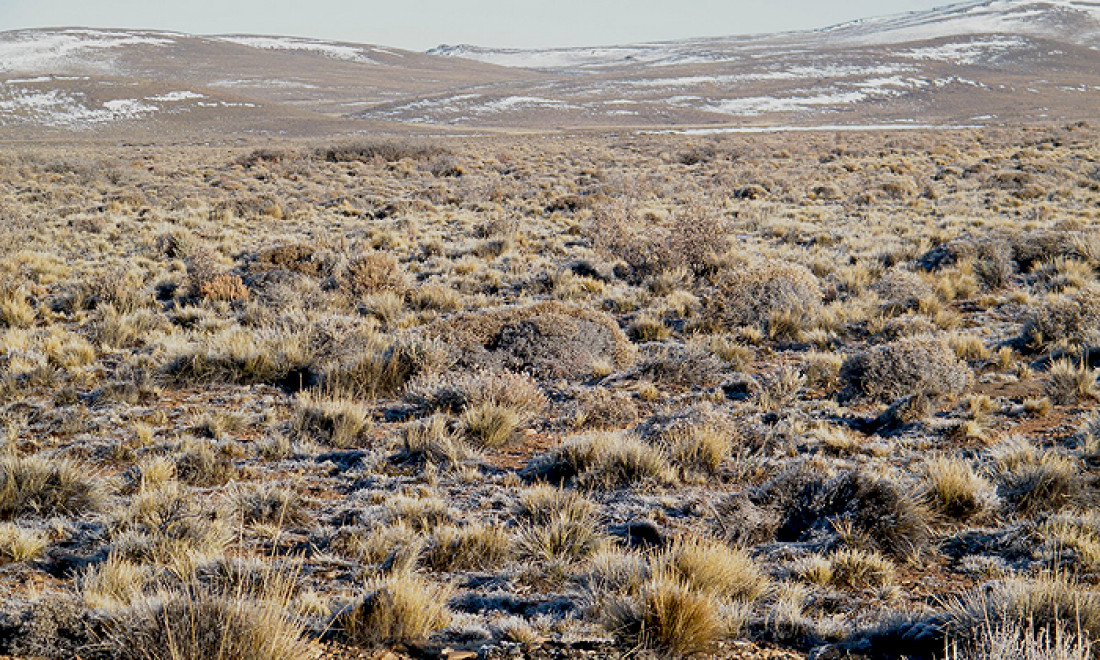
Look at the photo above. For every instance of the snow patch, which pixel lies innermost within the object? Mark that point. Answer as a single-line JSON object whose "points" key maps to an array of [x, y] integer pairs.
{"points": [[32, 50], [328, 49], [172, 97]]}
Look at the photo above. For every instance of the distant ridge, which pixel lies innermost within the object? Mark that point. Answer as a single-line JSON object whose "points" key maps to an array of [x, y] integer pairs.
{"points": [[990, 62]]}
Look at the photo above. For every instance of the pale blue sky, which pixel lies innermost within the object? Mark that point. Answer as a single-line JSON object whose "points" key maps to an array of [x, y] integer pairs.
{"points": [[418, 25]]}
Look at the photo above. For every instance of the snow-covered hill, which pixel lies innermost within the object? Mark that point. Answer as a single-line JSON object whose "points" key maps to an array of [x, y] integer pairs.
{"points": [[994, 61]]}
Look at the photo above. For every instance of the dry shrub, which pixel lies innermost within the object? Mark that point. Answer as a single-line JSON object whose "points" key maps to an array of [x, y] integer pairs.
{"points": [[374, 272], [668, 615], [268, 504], [295, 257], [470, 548], [1045, 604], [400, 609], [421, 514], [1069, 382], [542, 503], [204, 464], [246, 357], [917, 365], [490, 424], [756, 295], [1033, 479], [458, 392], [694, 238], [384, 370], [15, 310], [1019, 640], [195, 623], [714, 567], [688, 367], [20, 543], [433, 442], [868, 509], [330, 420], [562, 539], [44, 486], [1073, 319], [993, 264], [388, 151], [132, 330], [616, 572], [164, 523], [860, 569], [601, 408], [1078, 531], [956, 490], [901, 290], [546, 340], [606, 460], [224, 287]]}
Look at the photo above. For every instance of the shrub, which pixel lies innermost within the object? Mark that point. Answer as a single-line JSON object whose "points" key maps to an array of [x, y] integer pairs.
{"points": [[860, 569], [224, 287], [561, 539], [757, 294], [20, 543], [269, 504], [330, 420], [698, 447], [374, 272], [164, 523], [1018, 640], [875, 510], [204, 464], [456, 393], [193, 623], [237, 355], [1070, 382], [38, 485], [490, 424], [1077, 531], [113, 583], [922, 366], [682, 366], [669, 616], [714, 567], [993, 264], [384, 370], [471, 548], [433, 442], [607, 460], [1045, 604], [616, 572], [694, 238], [399, 609], [1064, 318], [956, 490], [546, 340], [541, 504], [388, 151], [1033, 479], [901, 290], [601, 408], [15, 310]]}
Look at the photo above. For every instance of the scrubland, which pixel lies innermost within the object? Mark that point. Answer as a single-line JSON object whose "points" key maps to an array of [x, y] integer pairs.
{"points": [[760, 396]]}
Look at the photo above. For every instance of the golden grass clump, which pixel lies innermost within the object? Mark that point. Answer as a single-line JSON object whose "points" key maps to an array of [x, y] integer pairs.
{"points": [[399, 609], [714, 567], [44, 486]]}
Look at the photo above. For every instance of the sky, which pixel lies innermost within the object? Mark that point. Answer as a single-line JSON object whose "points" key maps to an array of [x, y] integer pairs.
{"points": [[422, 24]]}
